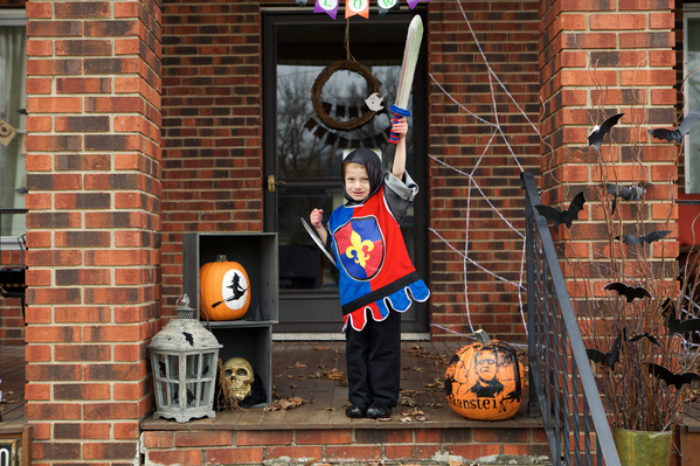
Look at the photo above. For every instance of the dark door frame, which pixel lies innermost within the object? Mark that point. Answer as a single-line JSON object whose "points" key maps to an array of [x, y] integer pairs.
{"points": [[270, 20]]}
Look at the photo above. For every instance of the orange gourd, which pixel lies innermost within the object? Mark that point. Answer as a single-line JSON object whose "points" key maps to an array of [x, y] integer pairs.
{"points": [[224, 290], [485, 380]]}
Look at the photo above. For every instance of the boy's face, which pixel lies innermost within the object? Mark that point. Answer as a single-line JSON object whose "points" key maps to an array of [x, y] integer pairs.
{"points": [[356, 181]]}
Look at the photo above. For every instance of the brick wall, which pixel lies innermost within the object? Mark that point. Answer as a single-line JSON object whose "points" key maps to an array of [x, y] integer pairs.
{"points": [[599, 58], [507, 33], [93, 174], [340, 445], [212, 126]]}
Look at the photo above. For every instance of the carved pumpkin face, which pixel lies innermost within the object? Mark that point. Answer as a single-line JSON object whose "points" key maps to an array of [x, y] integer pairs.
{"points": [[485, 381], [224, 290]]}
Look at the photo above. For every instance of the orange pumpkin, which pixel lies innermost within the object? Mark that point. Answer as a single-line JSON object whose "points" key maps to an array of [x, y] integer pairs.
{"points": [[485, 380], [224, 290]]}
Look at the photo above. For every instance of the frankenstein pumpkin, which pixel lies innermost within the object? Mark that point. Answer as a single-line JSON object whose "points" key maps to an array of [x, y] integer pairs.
{"points": [[224, 290], [484, 380]]}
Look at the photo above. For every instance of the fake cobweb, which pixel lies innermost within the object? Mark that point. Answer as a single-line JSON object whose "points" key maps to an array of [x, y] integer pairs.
{"points": [[476, 195]]}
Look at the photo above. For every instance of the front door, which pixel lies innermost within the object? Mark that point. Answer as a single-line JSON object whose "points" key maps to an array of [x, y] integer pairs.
{"points": [[303, 152]]}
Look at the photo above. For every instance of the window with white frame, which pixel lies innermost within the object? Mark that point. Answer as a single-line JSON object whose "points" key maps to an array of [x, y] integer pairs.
{"points": [[691, 89], [13, 61]]}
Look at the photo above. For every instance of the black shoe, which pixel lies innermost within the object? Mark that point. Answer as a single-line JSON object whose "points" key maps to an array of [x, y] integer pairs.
{"points": [[377, 410], [354, 411]]}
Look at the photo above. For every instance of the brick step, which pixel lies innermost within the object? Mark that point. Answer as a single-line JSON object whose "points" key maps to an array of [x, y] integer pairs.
{"points": [[356, 444]]}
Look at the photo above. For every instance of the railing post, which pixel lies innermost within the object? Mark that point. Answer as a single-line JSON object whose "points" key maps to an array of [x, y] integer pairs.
{"points": [[532, 404]]}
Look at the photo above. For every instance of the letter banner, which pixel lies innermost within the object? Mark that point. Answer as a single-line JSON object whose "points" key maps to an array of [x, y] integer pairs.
{"points": [[327, 6], [357, 7], [412, 3], [386, 5]]}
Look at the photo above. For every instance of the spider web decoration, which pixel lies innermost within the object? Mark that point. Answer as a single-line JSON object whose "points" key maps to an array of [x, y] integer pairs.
{"points": [[473, 188]]}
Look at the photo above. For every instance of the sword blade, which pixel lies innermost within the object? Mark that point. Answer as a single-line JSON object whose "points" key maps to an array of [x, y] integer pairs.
{"points": [[410, 58], [317, 240]]}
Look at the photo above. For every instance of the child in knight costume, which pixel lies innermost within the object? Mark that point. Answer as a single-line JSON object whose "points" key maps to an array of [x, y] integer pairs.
{"points": [[376, 273]]}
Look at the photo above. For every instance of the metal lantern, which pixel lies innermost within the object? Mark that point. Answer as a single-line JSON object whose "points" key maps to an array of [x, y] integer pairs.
{"points": [[184, 357]]}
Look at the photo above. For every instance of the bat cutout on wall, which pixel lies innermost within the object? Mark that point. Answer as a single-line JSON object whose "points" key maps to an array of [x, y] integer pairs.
{"points": [[676, 134], [650, 238], [563, 216], [628, 193], [646, 335], [671, 378], [629, 292], [595, 137], [680, 326], [610, 358]]}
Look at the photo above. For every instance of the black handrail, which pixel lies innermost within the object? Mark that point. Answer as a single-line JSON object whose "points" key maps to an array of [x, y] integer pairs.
{"points": [[560, 373]]}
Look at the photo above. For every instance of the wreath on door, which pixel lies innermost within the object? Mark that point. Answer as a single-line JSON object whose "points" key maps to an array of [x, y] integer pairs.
{"points": [[320, 82]]}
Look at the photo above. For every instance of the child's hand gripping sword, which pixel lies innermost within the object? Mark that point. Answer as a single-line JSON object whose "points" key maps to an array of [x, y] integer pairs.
{"points": [[408, 68]]}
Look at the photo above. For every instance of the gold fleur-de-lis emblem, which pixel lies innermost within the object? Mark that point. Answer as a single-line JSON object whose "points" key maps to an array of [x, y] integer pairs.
{"points": [[357, 250]]}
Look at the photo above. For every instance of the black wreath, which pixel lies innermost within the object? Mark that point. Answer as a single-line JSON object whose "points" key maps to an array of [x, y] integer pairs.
{"points": [[321, 80]]}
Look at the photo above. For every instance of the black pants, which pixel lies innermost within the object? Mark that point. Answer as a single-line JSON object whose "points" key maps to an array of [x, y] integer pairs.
{"points": [[373, 359]]}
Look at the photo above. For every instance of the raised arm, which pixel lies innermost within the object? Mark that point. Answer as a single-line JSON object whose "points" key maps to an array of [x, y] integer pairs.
{"points": [[400, 127]]}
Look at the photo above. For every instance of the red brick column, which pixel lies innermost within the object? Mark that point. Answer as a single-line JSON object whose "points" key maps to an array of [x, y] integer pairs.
{"points": [[93, 174], [599, 58]]}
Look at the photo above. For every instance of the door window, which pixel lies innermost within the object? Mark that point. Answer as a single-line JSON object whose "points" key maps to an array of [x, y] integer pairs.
{"points": [[304, 155]]}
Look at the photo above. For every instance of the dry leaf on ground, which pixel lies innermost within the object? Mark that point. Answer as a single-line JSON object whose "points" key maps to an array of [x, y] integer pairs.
{"points": [[284, 404]]}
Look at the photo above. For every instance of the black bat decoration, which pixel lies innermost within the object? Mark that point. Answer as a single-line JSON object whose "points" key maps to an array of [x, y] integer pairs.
{"points": [[671, 378], [563, 216], [676, 134], [681, 326], [629, 292], [650, 238], [628, 193], [595, 137], [610, 358], [188, 337], [646, 335]]}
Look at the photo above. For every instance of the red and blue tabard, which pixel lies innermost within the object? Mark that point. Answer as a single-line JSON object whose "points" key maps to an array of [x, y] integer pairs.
{"points": [[376, 272]]}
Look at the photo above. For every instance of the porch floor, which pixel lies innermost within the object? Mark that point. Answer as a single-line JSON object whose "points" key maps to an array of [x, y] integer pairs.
{"points": [[315, 372]]}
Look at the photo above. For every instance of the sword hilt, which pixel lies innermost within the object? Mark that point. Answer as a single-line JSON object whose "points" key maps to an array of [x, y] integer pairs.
{"points": [[398, 113]]}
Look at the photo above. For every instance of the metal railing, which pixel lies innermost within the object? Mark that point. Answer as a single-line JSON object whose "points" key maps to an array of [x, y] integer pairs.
{"points": [[562, 383]]}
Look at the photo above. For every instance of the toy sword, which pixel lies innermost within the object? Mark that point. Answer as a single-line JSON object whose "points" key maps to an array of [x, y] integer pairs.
{"points": [[408, 68], [317, 240]]}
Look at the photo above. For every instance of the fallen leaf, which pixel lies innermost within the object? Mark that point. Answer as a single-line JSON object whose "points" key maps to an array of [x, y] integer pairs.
{"points": [[284, 404], [299, 365], [336, 374], [322, 348], [436, 384]]}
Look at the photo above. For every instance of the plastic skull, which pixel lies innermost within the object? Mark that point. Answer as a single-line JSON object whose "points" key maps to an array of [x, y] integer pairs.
{"points": [[240, 376]]}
